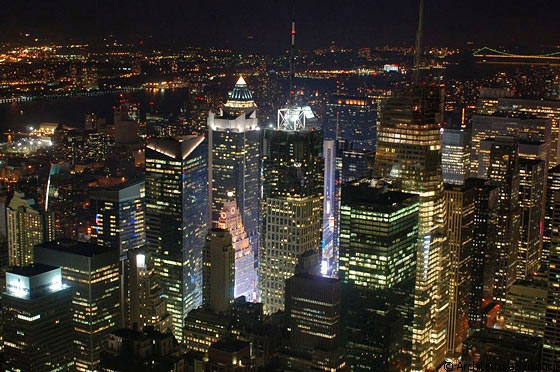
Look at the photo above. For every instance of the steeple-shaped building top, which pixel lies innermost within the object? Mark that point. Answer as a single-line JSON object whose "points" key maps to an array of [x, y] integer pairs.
{"points": [[240, 98]]}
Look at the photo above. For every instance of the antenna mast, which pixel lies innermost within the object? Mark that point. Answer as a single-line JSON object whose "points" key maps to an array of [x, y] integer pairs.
{"points": [[292, 62], [418, 46]]}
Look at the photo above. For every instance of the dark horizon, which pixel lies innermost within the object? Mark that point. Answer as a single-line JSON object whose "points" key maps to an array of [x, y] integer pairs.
{"points": [[265, 25]]}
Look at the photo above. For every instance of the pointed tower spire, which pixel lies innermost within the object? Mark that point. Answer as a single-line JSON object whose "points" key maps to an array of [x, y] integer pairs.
{"points": [[418, 46], [292, 63]]}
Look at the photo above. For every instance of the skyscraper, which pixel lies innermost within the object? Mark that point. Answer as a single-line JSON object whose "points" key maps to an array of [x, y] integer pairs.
{"points": [[92, 271], [177, 219], [292, 207], [234, 159], [484, 253], [218, 270], [503, 170], [506, 124], [409, 150], [146, 305], [378, 247], [525, 307], [37, 316], [542, 109], [28, 225], [119, 216], [455, 155], [313, 306], [245, 273], [531, 202], [551, 216], [460, 203], [352, 119], [120, 224]]}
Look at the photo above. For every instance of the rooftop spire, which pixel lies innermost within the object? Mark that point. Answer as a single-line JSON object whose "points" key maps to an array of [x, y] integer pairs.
{"points": [[241, 81], [418, 46], [292, 62]]}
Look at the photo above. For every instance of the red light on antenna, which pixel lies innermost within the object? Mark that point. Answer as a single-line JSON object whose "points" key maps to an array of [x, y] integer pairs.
{"points": [[293, 32]]}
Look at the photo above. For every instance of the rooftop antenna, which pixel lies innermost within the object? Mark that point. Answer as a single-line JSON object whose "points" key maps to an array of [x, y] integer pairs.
{"points": [[418, 46], [292, 63]]}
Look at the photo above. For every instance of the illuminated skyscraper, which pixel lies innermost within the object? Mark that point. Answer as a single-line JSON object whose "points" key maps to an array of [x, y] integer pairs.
{"points": [[551, 263], [542, 109], [234, 159], [352, 119], [146, 304], [37, 316], [505, 124], [525, 307], [460, 203], [92, 271], [455, 156], [409, 150], [218, 271], [378, 247], [245, 274], [28, 225], [177, 219], [292, 207], [120, 224], [502, 168], [484, 253], [313, 307], [531, 202], [119, 216], [329, 246], [551, 216]]}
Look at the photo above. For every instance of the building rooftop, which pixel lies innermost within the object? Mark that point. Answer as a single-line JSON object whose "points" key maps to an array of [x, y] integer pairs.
{"points": [[364, 191], [177, 147], [76, 247], [32, 270], [230, 345]]}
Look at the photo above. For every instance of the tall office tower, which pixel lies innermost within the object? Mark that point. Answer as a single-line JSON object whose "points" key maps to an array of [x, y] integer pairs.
{"points": [[177, 219], [531, 201], [329, 246], [313, 307], [409, 149], [28, 225], [356, 164], [551, 263], [455, 155], [126, 117], [234, 159], [460, 201], [484, 253], [352, 119], [499, 161], [119, 216], [525, 307], [551, 216], [292, 207], [510, 124], [120, 224], [92, 271], [378, 248], [245, 273], [146, 305], [542, 109], [218, 270], [37, 316]]}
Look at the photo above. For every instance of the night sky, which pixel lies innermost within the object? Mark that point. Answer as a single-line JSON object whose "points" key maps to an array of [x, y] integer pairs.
{"points": [[264, 25]]}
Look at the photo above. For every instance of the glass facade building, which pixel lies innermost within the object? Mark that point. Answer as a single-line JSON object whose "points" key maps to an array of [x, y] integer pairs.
{"points": [[177, 219]]}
